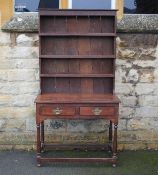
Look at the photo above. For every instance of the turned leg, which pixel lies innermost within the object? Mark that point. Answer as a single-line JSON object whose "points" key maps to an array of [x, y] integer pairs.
{"points": [[38, 146], [42, 136], [115, 144], [110, 136]]}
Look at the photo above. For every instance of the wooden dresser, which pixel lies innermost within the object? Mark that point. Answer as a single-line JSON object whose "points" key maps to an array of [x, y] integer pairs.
{"points": [[77, 74]]}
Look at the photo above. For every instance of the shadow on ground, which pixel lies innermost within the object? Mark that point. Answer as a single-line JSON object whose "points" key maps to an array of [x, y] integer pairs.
{"points": [[130, 163]]}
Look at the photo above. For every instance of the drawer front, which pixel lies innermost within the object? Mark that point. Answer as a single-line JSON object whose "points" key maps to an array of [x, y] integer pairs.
{"points": [[57, 111], [97, 111]]}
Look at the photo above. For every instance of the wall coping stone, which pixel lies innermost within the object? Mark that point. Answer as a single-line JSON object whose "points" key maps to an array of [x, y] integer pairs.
{"points": [[130, 23]]}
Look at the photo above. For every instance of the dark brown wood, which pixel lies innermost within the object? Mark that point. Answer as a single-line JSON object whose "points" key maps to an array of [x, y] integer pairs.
{"points": [[98, 111], [77, 160], [77, 34], [42, 134], [110, 132], [38, 145], [77, 56], [57, 110], [77, 75], [84, 147], [77, 98], [50, 12], [115, 143]]}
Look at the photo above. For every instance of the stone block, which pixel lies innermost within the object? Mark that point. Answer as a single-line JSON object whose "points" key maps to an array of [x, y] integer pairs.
{"points": [[148, 100], [145, 88], [120, 42], [132, 76], [124, 88], [17, 138], [156, 53], [120, 64], [37, 77], [126, 112], [13, 125], [20, 87], [128, 101], [31, 124], [137, 124], [156, 89], [4, 52], [147, 54], [9, 88], [5, 64], [21, 75], [156, 75], [132, 146], [4, 39], [26, 40], [29, 87], [23, 64], [138, 40], [120, 75], [23, 53], [148, 135], [127, 136], [17, 112], [2, 124], [3, 75], [122, 125], [145, 63], [24, 100], [126, 54], [146, 75], [146, 111], [5, 100], [5, 147], [25, 147]]}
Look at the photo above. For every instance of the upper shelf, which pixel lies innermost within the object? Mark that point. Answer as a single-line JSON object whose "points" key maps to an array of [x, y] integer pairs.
{"points": [[77, 34], [77, 56], [68, 75], [68, 12]]}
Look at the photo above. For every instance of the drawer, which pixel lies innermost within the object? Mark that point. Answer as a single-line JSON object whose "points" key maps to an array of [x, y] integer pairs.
{"points": [[57, 111], [97, 111]]}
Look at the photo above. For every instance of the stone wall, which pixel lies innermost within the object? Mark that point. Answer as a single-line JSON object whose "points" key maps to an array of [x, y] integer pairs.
{"points": [[136, 85], [19, 85]]}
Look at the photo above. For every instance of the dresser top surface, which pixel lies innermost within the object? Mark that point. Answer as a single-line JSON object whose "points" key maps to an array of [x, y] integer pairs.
{"points": [[75, 12], [76, 98]]}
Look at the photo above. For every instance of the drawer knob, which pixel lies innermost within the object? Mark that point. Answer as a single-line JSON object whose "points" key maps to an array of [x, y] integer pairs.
{"points": [[57, 111], [97, 111]]}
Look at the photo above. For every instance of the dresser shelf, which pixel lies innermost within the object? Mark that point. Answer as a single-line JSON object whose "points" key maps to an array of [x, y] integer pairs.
{"points": [[77, 56], [77, 76], [78, 34]]}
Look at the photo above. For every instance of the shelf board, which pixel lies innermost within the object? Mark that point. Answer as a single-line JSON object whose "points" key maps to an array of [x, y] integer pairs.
{"points": [[77, 56], [76, 34], [78, 75], [76, 12]]}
